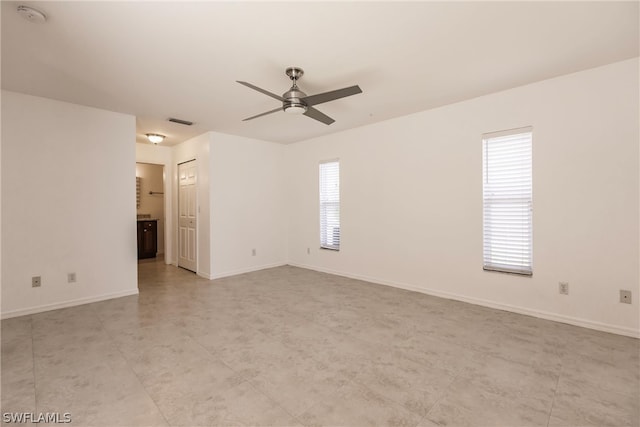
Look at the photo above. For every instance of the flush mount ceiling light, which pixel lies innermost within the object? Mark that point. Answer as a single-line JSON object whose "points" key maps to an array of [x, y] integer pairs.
{"points": [[155, 138], [31, 14]]}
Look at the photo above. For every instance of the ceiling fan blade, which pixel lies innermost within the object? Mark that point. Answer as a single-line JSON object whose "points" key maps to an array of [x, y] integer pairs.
{"points": [[263, 114], [317, 115], [266, 92], [330, 96]]}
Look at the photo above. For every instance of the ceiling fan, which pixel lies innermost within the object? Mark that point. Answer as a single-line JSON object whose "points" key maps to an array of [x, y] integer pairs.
{"points": [[295, 101]]}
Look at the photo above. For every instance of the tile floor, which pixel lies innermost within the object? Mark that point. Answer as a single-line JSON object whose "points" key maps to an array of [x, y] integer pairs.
{"points": [[288, 346]]}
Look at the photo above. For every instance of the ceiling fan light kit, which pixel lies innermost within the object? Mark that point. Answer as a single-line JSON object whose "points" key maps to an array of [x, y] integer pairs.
{"points": [[295, 109], [295, 101]]}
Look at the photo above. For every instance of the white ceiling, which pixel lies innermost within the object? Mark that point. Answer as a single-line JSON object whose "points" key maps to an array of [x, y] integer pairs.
{"points": [[157, 60]]}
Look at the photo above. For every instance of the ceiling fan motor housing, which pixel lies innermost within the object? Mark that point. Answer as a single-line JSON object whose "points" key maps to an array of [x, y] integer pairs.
{"points": [[293, 102]]}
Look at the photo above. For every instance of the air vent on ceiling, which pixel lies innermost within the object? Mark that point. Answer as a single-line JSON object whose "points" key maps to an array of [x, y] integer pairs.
{"points": [[180, 121]]}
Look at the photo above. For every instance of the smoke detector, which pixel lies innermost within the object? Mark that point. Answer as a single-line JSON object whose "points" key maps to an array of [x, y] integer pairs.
{"points": [[31, 14]]}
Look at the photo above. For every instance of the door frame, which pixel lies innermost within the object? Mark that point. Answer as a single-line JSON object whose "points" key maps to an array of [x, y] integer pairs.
{"points": [[163, 158], [166, 210]]}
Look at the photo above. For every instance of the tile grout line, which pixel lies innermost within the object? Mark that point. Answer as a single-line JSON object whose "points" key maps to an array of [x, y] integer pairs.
{"points": [[313, 405], [198, 343], [254, 387], [245, 379], [33, 365], [350, 380], [113, 342], [493, 329], [276, 402], [555, 392], [444, 393]]}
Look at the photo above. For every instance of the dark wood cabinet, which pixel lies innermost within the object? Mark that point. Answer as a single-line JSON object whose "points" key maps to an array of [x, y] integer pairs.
{"points": [[147, 239]]}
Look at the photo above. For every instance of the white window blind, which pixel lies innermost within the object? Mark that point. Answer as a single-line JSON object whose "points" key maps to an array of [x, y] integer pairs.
{"points": [[507, 200], [330, 205]]}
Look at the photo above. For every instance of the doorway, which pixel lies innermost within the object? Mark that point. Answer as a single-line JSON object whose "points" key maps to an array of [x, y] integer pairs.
{"points": [[150, 209], [187, 216]]}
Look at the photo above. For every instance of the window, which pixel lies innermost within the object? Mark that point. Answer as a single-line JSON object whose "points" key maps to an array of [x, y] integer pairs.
{"points": [[507, 201], [330, 205]]}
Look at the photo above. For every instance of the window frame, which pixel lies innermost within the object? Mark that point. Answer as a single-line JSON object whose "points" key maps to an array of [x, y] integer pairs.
{"points": [[522, 203], [323, 204]]}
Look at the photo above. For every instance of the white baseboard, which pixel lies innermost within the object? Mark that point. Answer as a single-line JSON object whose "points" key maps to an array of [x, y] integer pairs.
{"points": [[66, 304], [246, 270], [585, 323], [203, 274]]}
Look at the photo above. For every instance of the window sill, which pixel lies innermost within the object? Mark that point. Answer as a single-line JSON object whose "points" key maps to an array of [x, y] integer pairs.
{"points": [[505, 271]]}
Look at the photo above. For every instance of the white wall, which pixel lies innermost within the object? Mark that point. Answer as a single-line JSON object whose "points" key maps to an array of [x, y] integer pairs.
{"points": [[411, 203], [159, 155], [68, 204], [248, 205], [241, 203], [411, 200]]}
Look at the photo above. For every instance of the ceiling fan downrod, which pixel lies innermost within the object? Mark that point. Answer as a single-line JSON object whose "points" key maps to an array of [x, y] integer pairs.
{"points": [[293, 97]]}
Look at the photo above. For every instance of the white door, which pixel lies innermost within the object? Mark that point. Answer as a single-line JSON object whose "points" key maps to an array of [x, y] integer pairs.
{"points": [[187, 254]]}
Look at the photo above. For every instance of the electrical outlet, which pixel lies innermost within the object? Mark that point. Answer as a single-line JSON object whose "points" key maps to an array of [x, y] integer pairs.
{"points": [[625, 296], [563, 288], [71, 277], [36, 281], [253, 252], [308, 251]]}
